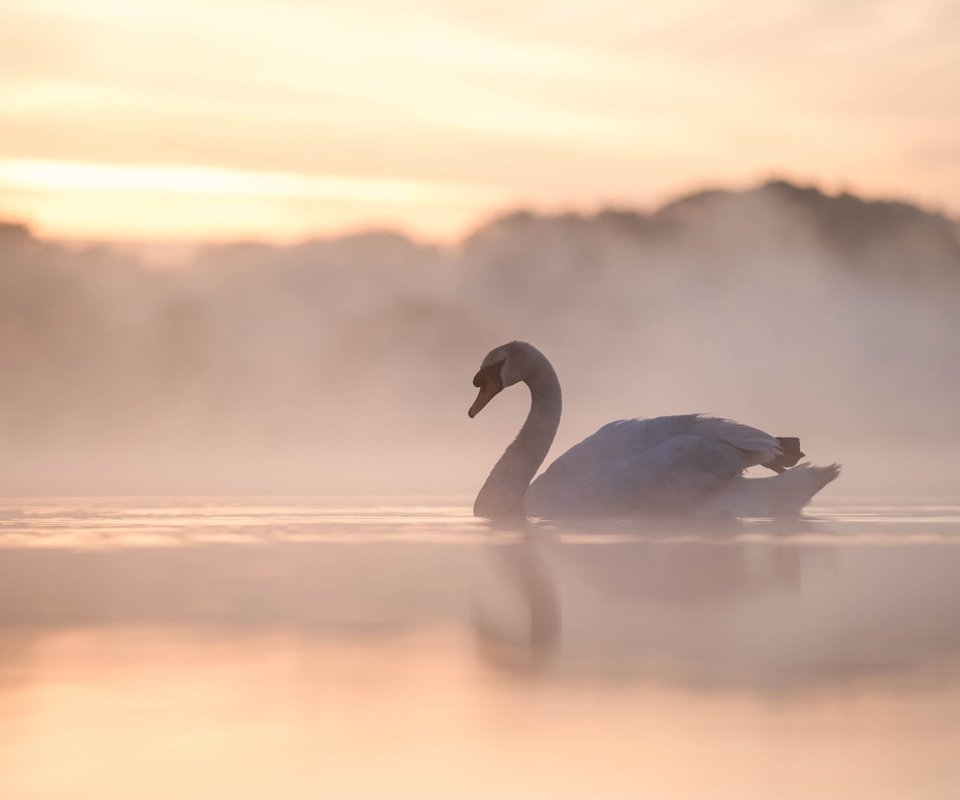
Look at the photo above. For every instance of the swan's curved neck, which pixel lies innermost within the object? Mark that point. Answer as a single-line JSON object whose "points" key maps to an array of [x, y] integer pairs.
{"points": [[502, 495]]}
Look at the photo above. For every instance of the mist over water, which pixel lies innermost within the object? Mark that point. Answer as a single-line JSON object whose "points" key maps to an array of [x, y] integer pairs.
{"points": [[344, 365]]}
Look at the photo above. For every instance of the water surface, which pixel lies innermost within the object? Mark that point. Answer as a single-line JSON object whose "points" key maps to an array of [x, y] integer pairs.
{"points": [[225, 648]]}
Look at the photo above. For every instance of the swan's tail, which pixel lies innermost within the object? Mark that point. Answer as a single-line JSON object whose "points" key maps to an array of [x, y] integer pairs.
{"points": [[790, 453], [779, 495]]}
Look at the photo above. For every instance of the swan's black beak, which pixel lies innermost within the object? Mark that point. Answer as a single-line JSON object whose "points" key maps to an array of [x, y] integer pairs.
{"points": [[490, 384]]}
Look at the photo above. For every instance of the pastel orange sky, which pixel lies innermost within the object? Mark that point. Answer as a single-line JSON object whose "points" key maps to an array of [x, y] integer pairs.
{"points": [[185, 119]]}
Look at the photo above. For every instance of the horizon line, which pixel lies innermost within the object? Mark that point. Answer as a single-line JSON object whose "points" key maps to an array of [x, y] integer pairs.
{"points": [[215, 180]]}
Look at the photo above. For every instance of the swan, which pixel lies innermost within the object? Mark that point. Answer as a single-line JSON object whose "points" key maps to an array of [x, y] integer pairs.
{"points": [[664, 465]]}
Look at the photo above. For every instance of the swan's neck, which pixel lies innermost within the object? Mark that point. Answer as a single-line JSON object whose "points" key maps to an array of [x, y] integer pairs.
{"points": [[502, 495]]}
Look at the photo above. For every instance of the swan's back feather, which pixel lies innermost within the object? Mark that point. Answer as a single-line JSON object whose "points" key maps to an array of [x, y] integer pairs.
{"points": [[625, 437], [664, 464]]}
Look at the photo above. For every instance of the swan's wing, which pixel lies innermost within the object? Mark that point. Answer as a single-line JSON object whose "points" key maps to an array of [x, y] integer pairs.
{"points": [[625, 438], [675, 475]]}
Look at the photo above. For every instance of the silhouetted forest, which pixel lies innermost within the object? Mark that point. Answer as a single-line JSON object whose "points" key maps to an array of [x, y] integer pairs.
{"points": [[830, 317]]}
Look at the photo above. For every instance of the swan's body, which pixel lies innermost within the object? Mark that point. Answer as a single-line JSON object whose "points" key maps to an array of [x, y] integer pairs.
{"points": [[677, 464]]}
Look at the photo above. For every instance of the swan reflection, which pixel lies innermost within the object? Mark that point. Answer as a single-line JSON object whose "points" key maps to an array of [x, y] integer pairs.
{"points": [[518, 627], [753, 606]]}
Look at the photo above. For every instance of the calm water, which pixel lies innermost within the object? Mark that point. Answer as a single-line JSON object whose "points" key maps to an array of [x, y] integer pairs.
{"points": [[226, 648]]}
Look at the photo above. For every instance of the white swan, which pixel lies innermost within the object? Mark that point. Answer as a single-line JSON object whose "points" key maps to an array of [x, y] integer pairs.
{"points": [[630, 467]]}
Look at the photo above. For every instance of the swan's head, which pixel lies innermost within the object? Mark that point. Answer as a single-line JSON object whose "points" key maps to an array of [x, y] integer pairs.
{"points": [[503, 366]]}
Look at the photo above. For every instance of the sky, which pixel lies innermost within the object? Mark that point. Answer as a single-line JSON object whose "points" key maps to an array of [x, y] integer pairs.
{"points": [[280, 119]]}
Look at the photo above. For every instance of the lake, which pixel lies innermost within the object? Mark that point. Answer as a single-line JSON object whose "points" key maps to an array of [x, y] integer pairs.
{"points": [[390, 647]]}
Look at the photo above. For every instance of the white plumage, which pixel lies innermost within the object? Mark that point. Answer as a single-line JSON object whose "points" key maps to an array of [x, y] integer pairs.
{"points": [[685, 463]]}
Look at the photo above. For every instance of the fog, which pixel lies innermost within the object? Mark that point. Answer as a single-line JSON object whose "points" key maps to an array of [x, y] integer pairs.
{"points": [[344, 365]]}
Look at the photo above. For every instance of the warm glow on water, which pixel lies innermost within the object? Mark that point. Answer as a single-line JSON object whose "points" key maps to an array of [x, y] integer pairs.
{"points": [[390, 647]]}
